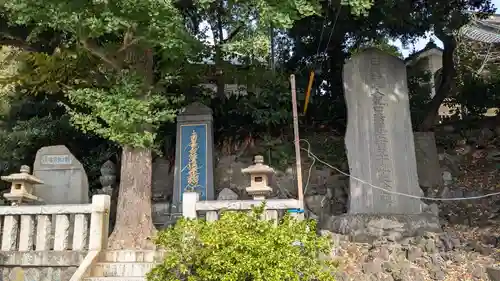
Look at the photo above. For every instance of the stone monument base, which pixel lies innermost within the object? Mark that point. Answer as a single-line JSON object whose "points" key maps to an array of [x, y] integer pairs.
{"points": [[366, 228]]}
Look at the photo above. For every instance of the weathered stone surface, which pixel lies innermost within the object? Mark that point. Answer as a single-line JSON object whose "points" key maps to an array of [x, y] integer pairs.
{"points": [[493, 273], [368, 228], [41, 258], [65, 180], [410, 259], [428, 167], [227, 194], [163, 179], [379, 137], [228, 173], [10, 232], [121, 269], [55, 273], [132, 256]]}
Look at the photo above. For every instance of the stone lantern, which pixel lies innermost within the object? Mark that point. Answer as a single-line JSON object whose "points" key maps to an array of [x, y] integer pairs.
{"points": [[21, 190], [259, 178]]}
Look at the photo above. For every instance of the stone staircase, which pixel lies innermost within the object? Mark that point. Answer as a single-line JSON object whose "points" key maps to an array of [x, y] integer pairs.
{"points": [[125, 265]]}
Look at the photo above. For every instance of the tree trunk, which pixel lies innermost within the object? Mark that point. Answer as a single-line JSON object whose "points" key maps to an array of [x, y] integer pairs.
{"points": [[446, 84], [134, 223]]}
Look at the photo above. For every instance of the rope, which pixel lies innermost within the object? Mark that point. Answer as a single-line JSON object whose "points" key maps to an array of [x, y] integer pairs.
{"points": [[315, 158]]}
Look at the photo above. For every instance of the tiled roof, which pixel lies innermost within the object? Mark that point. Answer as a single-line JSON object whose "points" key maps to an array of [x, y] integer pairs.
{"points": [[487, 30], [431, 45]]}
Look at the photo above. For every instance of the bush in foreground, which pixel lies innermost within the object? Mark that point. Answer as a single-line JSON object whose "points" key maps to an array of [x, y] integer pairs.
{"points": [[241, 247]]}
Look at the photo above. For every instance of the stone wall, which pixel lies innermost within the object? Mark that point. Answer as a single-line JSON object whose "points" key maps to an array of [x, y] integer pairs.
{"points": [[326, 189], [468, 166], [452, 255], [470, 161], [39, 266]]}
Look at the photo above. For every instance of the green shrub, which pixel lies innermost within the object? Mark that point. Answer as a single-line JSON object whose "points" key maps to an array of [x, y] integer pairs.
{"points": [[241, 247]]}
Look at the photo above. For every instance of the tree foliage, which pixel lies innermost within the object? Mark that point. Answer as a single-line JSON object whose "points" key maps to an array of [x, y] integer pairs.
{"points": [[240, 246], [116, 113]]}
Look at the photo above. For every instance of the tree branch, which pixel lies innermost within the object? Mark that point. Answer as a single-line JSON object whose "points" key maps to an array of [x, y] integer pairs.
{"points": [[446, 84], [233, 34], [128, 40], [90, 45]]}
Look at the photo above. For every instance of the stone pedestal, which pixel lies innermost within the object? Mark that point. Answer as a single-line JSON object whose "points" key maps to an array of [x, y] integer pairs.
{"points": [[194, 161], [379, 137], [366, 228]]}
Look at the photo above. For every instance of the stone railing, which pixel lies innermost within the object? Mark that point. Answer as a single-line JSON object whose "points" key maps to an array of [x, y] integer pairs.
{"points": [[67, 237], [191, 205]]}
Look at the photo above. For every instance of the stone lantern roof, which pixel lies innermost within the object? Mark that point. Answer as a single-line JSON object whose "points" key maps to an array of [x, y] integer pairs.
{"points": [[258, 167], [23, 176]]}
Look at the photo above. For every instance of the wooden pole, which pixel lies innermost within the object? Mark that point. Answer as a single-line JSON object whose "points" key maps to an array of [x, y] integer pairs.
{"points": [[296, 141], [308, 92]]}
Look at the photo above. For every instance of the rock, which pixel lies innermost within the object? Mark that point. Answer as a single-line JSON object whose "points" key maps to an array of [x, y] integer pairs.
{"points": [[372, 267], [458, 258], [447, 243], [341, 276], [484, 136], [227, 194], [401, 275], [315, 203], [394, 236], [430, 246], [478, 272], [385, 224], [481, 249], [384, 253], [493, 273], [414, 254], [437, 274], [432, 209]]}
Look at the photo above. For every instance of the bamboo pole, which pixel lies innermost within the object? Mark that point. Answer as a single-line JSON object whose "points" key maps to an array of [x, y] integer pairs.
{"points": [[296, 141]]}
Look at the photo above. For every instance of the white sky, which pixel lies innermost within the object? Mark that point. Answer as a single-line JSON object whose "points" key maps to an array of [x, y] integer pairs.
{"points": [[420, 44]]}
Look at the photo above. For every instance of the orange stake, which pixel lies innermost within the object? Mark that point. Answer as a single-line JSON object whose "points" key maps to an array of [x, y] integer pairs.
{"points": [[308, 93]]}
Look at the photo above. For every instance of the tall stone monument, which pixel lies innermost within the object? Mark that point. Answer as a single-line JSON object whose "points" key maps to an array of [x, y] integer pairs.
{"points": [[194, 161], [64, 178], [379, 137]]}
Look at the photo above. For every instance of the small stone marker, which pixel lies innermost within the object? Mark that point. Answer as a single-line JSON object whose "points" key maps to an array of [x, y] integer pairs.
{"points": [[64, 178], [379, 137], [227, 194], [162, 180], [428, 167]]}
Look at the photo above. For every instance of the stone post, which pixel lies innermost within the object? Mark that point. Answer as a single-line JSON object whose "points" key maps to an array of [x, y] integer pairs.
{"points": [[189, 204], [99, 222], [194, 161]]}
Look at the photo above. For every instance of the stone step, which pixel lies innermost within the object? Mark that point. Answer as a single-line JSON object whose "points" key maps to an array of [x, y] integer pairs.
{"points": [[114, 279], [121, 269], [131, 256]]}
